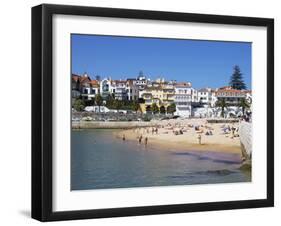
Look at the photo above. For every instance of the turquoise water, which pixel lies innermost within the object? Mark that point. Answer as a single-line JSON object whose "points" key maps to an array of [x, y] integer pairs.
{"points": [[99, 160]]}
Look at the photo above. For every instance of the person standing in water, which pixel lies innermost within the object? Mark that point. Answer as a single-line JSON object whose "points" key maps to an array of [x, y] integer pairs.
{"points": [[140, 138], [123, 138], [145, 141]]}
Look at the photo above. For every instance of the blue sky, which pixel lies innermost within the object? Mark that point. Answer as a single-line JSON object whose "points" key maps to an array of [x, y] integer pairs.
{"points": [[203, 63]]}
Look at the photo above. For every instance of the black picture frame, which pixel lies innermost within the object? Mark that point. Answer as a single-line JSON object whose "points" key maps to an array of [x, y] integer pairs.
{"points": [[42, 111]]}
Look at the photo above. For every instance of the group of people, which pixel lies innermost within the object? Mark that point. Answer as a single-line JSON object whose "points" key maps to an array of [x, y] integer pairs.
{"points": [[233, 130], [139, 139], [153, 130], [178, 132], [209, 133]]}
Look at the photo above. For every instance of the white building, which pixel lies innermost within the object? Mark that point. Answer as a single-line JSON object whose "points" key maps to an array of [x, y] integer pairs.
{"points": [[106, 88], [232, 97], [92, 89], [183, 99], [205, 96], [84, 87], [141, 81], [120, 89], [194, 96], [132, 89]]}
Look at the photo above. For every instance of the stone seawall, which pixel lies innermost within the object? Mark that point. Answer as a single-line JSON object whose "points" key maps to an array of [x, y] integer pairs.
{"points": [[110, 125], [245, 134]]}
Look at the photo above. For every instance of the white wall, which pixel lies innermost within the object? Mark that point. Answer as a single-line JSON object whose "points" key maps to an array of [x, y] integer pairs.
{"points": [[15, 125]]}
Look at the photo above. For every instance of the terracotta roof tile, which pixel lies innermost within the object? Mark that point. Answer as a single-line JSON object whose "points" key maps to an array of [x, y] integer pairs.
{"points": [[94, 82]]}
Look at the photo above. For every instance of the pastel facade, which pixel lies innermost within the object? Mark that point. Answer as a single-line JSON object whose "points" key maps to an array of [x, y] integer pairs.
{"points": [[156, 93]]}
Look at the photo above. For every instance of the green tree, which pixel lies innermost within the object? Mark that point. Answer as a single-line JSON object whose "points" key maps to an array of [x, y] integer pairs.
{"points": [[109, 100], [222, 104], [236, 79], [79, 105], [154, 108], [98, 100], [244, 105], [117, 104], [135, 106], [171, 108], [90, 102]]}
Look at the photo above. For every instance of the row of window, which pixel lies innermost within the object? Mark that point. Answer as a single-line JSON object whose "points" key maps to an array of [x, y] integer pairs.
{"points": [[182, 97], [183, 108], [183, 91], [231, 94], [182, 103]]}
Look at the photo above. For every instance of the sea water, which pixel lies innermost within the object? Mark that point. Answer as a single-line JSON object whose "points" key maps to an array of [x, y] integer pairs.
{"points": [[100, 160]]}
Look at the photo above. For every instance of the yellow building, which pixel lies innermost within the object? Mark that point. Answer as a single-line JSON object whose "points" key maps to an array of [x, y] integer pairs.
{"points": [[162, 95]]}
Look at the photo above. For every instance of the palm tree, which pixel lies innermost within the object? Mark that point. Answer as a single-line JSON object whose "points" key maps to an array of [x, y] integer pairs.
{"points": [[154, 108], [244, 105], [222, 104]]}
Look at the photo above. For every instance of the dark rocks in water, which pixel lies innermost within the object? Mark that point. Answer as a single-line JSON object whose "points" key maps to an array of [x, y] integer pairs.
{"points": [[222, 172], [246, 166]]}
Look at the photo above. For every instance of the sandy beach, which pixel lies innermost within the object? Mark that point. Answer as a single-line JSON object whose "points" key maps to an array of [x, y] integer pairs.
{"points": [[185, 134]]}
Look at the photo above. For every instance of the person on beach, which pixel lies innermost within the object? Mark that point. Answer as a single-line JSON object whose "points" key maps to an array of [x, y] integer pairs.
{"points": [[199, 138], [233, 131], [156, 130], [145, 141], [123, 138]]}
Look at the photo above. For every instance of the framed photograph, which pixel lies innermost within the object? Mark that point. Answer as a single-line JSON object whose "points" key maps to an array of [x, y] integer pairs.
{"points": [[145, 112]]}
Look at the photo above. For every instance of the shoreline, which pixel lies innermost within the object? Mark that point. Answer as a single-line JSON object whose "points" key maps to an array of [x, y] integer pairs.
{"points": [[168, 137], [181, 145]]}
